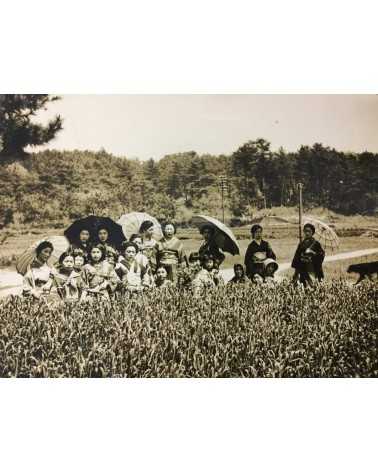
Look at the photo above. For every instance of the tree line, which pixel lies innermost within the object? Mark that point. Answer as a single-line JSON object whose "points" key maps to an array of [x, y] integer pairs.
{"points": [[52, 186]]}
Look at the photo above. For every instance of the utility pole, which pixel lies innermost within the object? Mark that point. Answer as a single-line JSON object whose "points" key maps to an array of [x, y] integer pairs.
{"points": [[300, 186], [223, 182]]}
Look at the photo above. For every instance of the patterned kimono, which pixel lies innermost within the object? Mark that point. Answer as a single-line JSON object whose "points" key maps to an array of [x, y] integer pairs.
{"points": [[207, 279], [101, 276], [308, 267], [37, 280], [170, 254], [149, 249], [69, 286], [133, 275], [252, 266]]}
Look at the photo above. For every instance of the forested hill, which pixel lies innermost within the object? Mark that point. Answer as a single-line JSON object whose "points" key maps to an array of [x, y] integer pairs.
{"points": [[53, 186]]}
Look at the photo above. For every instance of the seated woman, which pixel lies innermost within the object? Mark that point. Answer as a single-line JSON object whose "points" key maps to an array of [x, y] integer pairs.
{"points": [[161, 279], [84, 243], [133, 275], [38, 277], [209, 247], [308, 258], [208, 277], [149, 244], [257, 251], [239, 276], [170, 252], [99, 276], [67, 280]]}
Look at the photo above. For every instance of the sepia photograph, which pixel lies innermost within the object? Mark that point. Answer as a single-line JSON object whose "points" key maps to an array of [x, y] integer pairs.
{"points": [[188, 236]]}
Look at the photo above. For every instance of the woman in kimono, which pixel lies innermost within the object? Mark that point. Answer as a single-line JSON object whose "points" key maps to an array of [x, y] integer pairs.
{"points": [[67, 280], [141, 258], [83, 244], [99, 276], [308, 258], [38, 277], [239, 276], [133, 275], [209, 247], [257, 251], [149, 244], [208, 277], [170, 252]]}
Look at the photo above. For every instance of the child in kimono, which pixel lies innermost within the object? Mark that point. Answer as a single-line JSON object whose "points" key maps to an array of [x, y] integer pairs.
{"points": [[161, 279], [208, 277], [170, 252], [99, 276], [133, 275], [67, 280]]}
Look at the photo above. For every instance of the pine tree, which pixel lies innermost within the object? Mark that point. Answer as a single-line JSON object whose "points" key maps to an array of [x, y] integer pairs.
{"points": [[17, 130]]}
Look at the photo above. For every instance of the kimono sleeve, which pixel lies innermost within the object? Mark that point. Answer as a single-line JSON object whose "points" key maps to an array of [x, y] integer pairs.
{"points": [[269, 252], [296, 263], [248, 259], [27, 283]]}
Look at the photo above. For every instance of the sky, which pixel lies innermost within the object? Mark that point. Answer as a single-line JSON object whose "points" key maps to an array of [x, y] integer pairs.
{"points": [[146, 126]]}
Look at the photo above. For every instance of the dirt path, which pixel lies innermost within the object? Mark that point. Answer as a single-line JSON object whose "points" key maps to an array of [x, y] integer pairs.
{"points": [[11, 281]]}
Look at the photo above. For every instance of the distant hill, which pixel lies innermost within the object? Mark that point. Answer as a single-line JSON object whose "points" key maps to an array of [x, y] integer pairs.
{"points": [[52, 187]]}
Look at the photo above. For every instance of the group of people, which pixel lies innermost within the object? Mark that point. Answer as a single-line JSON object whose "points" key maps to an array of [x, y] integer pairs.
{"points": [[94, 267]]}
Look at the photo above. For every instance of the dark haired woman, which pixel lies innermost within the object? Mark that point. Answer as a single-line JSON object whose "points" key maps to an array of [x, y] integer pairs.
{"points": [[38, 278], [239, 275], [170, 252], [257, 251], [209, 247], [68, 281], [149, 244], [133, 275], [308, 258], [99, 276], [83, 243]]}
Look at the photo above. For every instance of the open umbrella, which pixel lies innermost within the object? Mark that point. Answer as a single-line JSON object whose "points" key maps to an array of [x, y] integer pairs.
{"points": [[60, 244], [326, 235], [223, 236], [92, 223], [131, 222]]}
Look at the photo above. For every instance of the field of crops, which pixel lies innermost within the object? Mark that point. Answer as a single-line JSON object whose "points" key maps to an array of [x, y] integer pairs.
{"points": [[329, 331]]}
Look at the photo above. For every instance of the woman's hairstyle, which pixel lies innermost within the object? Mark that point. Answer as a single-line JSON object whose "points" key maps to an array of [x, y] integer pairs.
{"points": [[101, 248], [161, 267], [194, 257], [43, 245], [255, 228], [206, 228], [147, 224], [76, 251], [238, 266], [169, 224], [66, 254], [102, 227], [84, 229], [310, 226], [133, 237], [206, 258], [129, 244]]}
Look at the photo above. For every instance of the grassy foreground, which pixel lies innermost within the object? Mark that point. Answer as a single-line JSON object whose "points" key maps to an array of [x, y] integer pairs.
{"points": [[329, 331]]}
